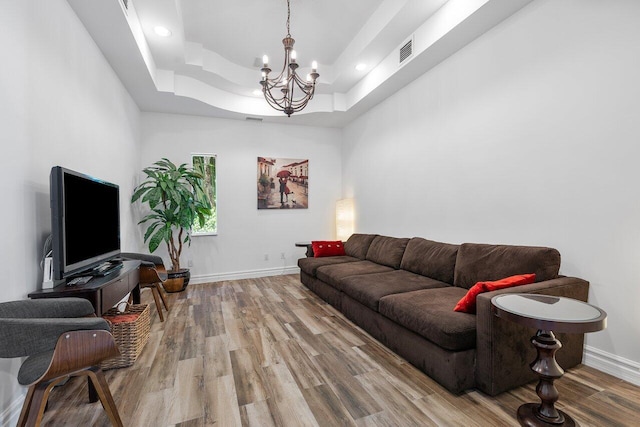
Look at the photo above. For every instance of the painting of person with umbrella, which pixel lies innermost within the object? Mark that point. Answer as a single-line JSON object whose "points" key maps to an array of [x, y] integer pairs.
{"points": [[292, 183], [283, 177]]}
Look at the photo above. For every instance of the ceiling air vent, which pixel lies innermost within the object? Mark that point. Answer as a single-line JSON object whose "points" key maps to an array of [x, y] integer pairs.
{"points": [[253, 119], [406, 51]]}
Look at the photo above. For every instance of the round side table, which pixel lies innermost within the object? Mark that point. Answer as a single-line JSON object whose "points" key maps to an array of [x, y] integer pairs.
{"points": [[546, 314], [307, 245]]}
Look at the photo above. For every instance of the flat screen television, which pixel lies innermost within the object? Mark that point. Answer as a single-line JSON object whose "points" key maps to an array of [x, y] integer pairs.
{"points": [[85, 222]]}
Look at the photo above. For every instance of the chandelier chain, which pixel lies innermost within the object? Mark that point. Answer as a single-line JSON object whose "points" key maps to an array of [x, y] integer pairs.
{"points": [[288, 18]]}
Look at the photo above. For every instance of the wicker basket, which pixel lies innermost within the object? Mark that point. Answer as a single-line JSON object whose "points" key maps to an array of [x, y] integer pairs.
{"points": [[130, 336]]}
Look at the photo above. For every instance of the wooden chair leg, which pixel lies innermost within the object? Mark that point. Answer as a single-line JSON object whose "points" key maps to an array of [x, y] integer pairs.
{"points": [[22, 421], [38, 403], [156, 298], [36, 391], [161, 293], [109, 405], [93, 394]]}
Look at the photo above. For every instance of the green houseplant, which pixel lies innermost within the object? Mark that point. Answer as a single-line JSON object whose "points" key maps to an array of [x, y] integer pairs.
{"points": [[176, 199]]}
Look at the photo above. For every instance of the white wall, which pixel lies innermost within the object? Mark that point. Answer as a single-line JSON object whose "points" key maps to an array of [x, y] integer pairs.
{"points": [[246, 234], [529, 135], [526, 136], [60, 104]]}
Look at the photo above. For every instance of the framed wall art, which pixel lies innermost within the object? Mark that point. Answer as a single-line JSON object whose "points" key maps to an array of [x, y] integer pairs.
{"points": [[283, 183]]}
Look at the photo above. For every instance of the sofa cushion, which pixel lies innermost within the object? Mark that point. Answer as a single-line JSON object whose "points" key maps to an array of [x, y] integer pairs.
{"points": [[333, 274], [358, 244], [367, 289], [322, 248], [310, 265], [429, 313], [387, 251], [481, 263], [432, 259], [467, 303]]}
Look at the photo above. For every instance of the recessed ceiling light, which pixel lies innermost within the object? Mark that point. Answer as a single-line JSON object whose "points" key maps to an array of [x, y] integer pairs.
{"points": [[162, 31], [361, 67], [257, 92]]}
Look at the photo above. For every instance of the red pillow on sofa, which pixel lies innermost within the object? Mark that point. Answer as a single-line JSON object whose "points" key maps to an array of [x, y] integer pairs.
{"points": [[327, 248], [467, 303]]}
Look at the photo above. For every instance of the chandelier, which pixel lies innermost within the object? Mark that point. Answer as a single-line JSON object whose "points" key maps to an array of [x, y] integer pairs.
{"points": [[280, 91]]}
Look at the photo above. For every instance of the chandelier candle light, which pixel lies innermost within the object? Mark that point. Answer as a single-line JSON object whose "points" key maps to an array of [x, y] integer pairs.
{"points": [[279, 91]]}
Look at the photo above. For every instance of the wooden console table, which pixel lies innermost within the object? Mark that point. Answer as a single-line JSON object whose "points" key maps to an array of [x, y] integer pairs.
{"points": [[103, 292]]}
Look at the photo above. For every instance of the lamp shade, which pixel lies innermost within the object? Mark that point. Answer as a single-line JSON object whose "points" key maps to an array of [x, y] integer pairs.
{"points": [[344, 219]]}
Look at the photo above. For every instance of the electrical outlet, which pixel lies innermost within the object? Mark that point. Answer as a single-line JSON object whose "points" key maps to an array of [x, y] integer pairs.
{"points": [[282, 255], [266, 257], [190, 263]]}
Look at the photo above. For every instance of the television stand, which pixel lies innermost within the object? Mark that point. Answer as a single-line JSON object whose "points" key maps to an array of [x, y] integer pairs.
{"points": [[103, 291]]}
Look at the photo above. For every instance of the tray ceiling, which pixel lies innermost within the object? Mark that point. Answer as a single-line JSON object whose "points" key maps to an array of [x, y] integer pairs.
{"points": [[210, 63]]}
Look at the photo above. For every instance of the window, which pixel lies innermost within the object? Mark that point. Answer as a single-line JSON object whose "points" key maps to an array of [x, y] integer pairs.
{"points": [[206, 165]]}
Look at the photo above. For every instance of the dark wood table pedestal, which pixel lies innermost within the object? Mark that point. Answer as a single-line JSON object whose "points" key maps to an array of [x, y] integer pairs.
{"points": [[307, 245], [547, 313], [546, 367]]}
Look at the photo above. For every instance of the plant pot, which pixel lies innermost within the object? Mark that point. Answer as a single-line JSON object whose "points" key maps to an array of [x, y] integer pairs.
{"points": [[177, 280], [174, 285]]}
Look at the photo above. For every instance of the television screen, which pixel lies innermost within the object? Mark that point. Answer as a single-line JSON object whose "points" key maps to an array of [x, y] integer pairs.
{"points": [[85, 221]]}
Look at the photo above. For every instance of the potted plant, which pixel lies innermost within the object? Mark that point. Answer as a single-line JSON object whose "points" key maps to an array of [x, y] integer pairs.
{"points": [[176, 199]]}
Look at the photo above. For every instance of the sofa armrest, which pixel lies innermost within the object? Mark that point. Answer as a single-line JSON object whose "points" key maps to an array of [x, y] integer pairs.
{"points": [[504, 350]]}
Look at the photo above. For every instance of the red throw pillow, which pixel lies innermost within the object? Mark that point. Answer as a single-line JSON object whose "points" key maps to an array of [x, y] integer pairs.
{"points": [[327, 248], [467, 303]]}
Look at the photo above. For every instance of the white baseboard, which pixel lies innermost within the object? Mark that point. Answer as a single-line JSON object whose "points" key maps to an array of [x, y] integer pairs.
{"points": [[248, 274], [9, 417], [611, 364]]}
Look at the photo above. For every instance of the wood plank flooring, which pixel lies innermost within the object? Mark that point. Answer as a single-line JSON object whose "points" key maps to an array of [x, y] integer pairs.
{"points": [[268, 352]]}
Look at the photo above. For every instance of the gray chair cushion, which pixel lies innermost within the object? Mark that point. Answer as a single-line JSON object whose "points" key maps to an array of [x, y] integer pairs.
{"points": [[32, 328], [429, 313], [46, 308], [24, 337], [34, 367], [154, 259], [367, 289], [432, 259]]}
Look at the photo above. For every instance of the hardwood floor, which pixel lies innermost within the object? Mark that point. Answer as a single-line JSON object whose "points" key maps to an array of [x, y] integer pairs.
{"points": [[268, 352]]}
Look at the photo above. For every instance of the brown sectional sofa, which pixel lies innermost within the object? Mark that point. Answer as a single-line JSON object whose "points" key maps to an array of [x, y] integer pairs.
{"points": [[402, 291]]}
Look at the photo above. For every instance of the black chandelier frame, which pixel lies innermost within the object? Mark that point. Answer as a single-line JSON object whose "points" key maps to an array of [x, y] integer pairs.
{"points": [[280, 91]]}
